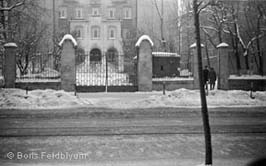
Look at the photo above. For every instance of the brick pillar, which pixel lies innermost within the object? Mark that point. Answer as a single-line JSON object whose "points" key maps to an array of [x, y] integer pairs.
{"points": [[223, 66], [144, 53], [10, 65], [195, 65], [68, 63]]}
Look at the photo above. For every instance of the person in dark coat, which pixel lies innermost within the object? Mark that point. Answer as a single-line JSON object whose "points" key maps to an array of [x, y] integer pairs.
{"points": [[205, 77], [212, 78]]}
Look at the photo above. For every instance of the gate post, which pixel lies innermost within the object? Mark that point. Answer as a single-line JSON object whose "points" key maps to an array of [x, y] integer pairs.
{"points": [[144, 55], [10, 65], [68, 63], [223, 68], [195, 65]]}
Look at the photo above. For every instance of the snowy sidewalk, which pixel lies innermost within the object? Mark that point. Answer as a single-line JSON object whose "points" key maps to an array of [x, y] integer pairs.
{"points": [[52, 99], [174, 99]]}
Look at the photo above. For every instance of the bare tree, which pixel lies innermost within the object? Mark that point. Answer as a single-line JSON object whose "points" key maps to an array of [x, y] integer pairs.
{"points": [[5, 8]]}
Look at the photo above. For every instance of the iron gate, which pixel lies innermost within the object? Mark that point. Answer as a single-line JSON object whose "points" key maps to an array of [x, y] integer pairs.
{"points": [[109, 72]]}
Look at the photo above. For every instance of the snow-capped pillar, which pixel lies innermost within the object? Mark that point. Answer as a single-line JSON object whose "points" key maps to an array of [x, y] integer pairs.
{"points": [[195, 65], [144, 54], [223, 67], [9, 71], [68, 62]]}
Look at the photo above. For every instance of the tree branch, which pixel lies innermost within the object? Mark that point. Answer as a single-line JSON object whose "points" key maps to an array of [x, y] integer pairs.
{"points": [[12, 7]]}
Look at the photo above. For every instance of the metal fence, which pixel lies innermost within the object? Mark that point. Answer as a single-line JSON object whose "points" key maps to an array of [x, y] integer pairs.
{"points": [[40, 67], [105, 71]]}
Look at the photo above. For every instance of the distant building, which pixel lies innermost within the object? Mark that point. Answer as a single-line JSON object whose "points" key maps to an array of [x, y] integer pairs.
{"points": [[100, 26]]}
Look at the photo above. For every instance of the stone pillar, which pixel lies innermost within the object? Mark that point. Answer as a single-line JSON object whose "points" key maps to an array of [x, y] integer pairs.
{"points": [[9, 71], [195, 65], [68, 63], [144, 53], [223, 66]]}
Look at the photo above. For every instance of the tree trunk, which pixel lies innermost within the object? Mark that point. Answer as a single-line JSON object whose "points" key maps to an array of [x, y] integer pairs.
{"points": [[258, 43], [3, 22], [238, 64], [204, 108]]}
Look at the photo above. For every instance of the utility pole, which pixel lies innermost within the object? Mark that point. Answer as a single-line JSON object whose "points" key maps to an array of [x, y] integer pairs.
{"points": [[204, 108]]}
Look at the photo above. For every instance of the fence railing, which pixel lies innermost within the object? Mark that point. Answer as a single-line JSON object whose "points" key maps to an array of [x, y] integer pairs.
{"points": [[41, 67], [105, 71]]}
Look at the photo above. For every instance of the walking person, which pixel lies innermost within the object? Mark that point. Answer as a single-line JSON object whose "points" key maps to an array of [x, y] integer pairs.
{"points": [[206, 77], [212, 78]]}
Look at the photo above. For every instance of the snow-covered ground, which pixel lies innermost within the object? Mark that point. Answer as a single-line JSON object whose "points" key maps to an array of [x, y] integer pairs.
{"points": [[16, 98], [180, 98]]}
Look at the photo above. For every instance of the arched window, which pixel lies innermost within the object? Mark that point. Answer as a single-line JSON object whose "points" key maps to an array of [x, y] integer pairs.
{"points": [[79, 32], [112, 33], [112, 55], [95, 55], [127, 13], [95, 32]]}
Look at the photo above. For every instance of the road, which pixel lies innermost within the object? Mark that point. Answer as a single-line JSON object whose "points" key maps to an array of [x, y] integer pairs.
{"points": [[162, 136]]}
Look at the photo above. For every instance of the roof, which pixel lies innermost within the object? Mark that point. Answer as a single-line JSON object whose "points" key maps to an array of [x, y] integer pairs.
{"points": [[165, 54]]}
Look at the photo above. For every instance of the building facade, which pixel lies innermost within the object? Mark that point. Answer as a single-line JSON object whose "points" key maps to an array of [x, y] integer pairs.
{"points": [[100, 26]]}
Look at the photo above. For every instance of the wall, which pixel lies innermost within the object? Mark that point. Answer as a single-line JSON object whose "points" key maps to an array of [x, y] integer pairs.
{"points": [[165, 66], [172, 85], [258, 85], [39, 85]]}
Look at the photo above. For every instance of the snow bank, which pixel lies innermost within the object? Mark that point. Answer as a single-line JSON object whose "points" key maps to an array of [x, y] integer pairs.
{"points": [[144, 37], [185, 98], [217, 98], [17, 98], [47, 99]]}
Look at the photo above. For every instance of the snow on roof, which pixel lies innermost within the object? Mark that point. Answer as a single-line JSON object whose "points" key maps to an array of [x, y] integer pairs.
{"points": [[144, 37], [10, 45], [68, 37], [165, 54], [222, 45], [194, 45]]}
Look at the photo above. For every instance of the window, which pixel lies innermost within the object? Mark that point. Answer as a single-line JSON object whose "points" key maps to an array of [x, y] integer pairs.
{"points": [[63, 12], [127, 13], [95, 12], [79, 32], [79, 13], [112, 33], [95, 32], [111, 13], [95, 56]]}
